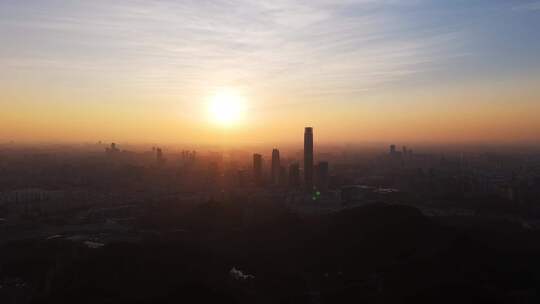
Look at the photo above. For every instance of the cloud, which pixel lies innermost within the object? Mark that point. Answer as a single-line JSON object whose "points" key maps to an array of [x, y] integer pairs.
{"points": [[316, 47]]}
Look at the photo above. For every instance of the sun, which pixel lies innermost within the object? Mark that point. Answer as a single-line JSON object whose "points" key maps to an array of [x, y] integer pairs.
{"points": [[227, 107]]}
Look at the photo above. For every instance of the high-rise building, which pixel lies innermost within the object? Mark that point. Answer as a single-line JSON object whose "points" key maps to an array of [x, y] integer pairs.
{"points": [[159, 156], [392, 149], [257, 169], [323, 176], [308, 158], [212, 176], [294, 175], [275, 167], [282, 176], [241, 178], [112, 149]]}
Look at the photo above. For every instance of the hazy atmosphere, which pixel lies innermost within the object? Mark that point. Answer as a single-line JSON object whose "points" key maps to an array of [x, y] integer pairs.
{"points": [[272, 152]]}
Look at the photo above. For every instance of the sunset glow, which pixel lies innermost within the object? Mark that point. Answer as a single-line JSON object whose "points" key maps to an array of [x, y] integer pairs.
{"points": [[227, 107], [269, 151]]}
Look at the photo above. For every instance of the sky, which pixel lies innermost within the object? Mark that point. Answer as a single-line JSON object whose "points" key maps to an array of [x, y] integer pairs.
{"points": [[356, 70]]}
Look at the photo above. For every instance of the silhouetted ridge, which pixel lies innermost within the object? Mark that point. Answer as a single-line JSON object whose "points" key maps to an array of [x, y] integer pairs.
{"points": [[377, 214], [393, 222]]}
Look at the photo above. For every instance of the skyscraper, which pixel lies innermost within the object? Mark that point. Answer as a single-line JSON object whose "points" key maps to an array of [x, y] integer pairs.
{"points": [[113, 149], [159, 156], [308, 158], [275, 167], [294, 175], [322, 176], [282, 176], [392, 149], [257, 169]]}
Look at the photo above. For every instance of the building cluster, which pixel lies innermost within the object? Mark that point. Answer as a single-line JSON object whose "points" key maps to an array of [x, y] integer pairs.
{"points": [[315, 177], [36, 182], [405, 152], [429, 176], [188, 156], [113, 149]]}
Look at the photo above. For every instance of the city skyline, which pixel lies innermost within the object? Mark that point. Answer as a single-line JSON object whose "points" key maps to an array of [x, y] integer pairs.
{"points": [[284, 151], [358, 71]]}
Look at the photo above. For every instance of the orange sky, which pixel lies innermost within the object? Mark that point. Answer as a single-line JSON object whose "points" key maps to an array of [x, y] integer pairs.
{"points": [[467, 114]]}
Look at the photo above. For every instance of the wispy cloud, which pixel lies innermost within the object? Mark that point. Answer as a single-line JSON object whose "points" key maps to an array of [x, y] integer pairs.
{"points": [[314, 47]]}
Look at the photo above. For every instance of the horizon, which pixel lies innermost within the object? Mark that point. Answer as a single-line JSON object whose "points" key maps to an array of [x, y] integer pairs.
{"points": [[283, 151], [291, 147]]}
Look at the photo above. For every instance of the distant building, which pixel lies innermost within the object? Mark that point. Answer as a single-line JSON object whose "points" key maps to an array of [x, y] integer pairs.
{"points": [[392, 149], [294, 175], [112, 149], [282, 176], [188, 156], [275, 167], [308, 158], [241, 178], [368, 194], [212, 175], [395, 154], [159, 156], [257, 169], [323, 176]]}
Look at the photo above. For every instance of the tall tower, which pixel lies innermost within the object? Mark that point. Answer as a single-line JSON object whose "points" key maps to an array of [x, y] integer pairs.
{"points": [[294, 175], [323, 176], [257, 169], [159, 156], [392, 150], [308, 158], [275, 167]]}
